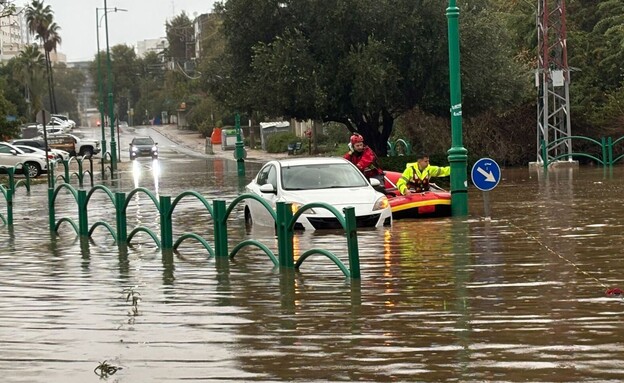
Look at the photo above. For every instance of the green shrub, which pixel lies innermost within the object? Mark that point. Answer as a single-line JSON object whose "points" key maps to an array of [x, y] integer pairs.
{"points": [[205, 128], [278, 142], [397, 163]]}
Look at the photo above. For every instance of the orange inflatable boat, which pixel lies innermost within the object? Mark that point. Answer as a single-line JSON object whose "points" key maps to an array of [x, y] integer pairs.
{"points": [[433, 203]]}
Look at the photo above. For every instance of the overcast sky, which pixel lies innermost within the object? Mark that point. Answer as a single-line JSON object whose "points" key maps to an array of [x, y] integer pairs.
{"points": [[145, 19]]}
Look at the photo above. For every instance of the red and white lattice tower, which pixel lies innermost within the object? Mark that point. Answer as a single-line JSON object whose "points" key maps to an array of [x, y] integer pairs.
{"points": [[552, 79]]}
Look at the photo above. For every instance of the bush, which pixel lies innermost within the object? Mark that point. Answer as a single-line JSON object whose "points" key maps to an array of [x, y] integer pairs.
{"points": [[278, 142]]}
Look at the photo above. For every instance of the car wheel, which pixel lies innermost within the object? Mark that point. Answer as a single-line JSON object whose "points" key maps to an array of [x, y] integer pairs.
{"points": [[33, 169], [88, 152]]}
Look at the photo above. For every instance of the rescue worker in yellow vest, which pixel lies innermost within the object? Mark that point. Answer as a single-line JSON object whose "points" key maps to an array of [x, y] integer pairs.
{"points": [[417, 175]]}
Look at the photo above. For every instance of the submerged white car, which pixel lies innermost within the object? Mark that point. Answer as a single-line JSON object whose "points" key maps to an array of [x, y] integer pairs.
{"points": [[334, 181]]}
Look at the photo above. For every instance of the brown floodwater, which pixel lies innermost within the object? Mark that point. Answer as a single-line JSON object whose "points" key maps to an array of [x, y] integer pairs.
{"points": [[518, 297]]}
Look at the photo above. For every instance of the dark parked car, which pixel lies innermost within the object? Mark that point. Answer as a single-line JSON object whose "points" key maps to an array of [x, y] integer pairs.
{"points": [[143, 147]]}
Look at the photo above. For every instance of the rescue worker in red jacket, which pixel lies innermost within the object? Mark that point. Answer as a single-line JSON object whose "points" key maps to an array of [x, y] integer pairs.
{"points": [[417, 174], [365, 159]]}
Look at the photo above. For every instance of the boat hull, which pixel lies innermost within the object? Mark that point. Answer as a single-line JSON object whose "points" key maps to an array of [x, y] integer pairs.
{"points": [[434, 203]]}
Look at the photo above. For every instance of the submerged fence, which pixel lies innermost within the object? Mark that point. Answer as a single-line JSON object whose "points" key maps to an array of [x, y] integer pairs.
{"points": [[605, 148], [220, 212]]}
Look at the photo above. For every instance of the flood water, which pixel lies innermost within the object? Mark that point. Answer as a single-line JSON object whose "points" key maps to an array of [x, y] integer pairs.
{"points": [[520, 297]]}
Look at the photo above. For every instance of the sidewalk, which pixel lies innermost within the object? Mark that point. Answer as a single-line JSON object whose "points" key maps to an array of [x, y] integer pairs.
{"points": [[194, 141]]}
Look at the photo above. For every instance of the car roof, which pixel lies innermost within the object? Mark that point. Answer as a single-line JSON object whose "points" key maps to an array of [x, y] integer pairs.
{"points": [[299, 161]]}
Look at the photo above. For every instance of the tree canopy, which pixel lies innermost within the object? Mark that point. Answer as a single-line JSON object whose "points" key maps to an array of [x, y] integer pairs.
{"points": [[359, 62]]}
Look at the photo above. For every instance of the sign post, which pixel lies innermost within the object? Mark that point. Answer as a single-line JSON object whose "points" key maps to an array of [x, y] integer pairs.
{"points": [[43, 117], [485, 176]]}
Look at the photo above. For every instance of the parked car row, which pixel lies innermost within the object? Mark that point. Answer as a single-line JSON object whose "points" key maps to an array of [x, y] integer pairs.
{"points": [[40, 146], [32, 163]]}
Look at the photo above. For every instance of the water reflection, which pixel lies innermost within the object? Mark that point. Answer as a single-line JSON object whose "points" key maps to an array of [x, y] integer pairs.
{"points": [[517, 298], [153, 168]]}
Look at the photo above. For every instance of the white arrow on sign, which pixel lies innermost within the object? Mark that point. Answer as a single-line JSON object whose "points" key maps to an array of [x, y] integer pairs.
{"points": [[488, 176]]}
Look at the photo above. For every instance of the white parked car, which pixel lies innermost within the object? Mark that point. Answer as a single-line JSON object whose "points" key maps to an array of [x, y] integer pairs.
{"points": [[334, 181], [53, 154], [70, 122], [40, 144], [11, 156]]}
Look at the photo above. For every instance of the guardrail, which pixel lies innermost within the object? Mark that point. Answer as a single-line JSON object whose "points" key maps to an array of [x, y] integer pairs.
{"points": [[605, 146], [67, 176], [394, 148], [8, 192], [220, 212]]}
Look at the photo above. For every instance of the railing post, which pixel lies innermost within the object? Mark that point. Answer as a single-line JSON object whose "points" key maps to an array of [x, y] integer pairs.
{"points": [[166, 227], [544, 153], [51, 211], [605, 156], [91, 169], [120, 216], [220, 228], [610, 150], [352, 242], [83, 218], [284, 235], [9, 201], [66, 165], [11, 172], [80, 173]]}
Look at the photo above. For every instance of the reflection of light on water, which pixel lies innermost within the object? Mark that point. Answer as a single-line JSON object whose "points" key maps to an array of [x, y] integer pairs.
{"points": [[387, 253], [296, 248], [156, 173], [136, 172]]}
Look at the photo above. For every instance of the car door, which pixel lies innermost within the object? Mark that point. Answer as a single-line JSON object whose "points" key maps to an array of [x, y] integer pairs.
{"points": [[267, 175], [6, 157]]}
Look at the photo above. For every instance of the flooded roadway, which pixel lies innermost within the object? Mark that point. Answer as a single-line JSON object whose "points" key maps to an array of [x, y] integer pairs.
{"points": [[517, 298]]}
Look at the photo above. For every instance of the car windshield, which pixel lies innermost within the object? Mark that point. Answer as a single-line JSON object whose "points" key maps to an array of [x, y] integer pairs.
{"points": [[321, 176], [143, 141]]}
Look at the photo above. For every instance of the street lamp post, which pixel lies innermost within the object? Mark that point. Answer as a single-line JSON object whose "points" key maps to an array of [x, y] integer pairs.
{"points": [[111, 111], [98, 22], [239, 151], [100, 95], [457, 154]]}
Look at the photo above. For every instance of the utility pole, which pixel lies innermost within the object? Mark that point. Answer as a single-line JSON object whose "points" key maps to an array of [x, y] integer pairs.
{"points": [[552, 79], [457, 154], [111, 110]]}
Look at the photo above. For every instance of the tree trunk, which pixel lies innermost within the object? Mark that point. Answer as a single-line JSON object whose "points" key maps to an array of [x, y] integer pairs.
{"points": [[47, 59], [376, 130], [54, 106]]}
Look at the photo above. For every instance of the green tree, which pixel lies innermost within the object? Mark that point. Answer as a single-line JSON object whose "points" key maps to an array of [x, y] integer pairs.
{"points": [[40, 21], [180, 36], [359, 62], [29, 69], [69, 81]]}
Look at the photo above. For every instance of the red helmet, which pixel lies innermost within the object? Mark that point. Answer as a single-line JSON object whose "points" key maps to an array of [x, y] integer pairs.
{"points": [[356, 138]]}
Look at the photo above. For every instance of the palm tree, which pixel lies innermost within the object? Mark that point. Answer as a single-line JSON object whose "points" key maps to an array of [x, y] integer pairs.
{"points": [[52, 41], [40, 20], [30, 64]]}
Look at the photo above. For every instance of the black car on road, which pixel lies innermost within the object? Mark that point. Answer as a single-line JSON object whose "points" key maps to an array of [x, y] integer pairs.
{"points": [[143, 147]]}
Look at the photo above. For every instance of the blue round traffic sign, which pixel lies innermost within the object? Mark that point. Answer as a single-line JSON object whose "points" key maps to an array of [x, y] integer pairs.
{"points": [[485, 174]]}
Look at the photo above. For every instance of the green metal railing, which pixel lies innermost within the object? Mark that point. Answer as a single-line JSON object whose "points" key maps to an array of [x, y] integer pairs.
{"points": [[220, 212], [393, 148], [67, 176], [107, 156], [8, 192], [605, 147], [610, 145]]}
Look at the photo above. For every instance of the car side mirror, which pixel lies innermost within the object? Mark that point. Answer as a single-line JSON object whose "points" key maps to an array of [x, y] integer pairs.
{"points": [[375, 182], [267, 188]]}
